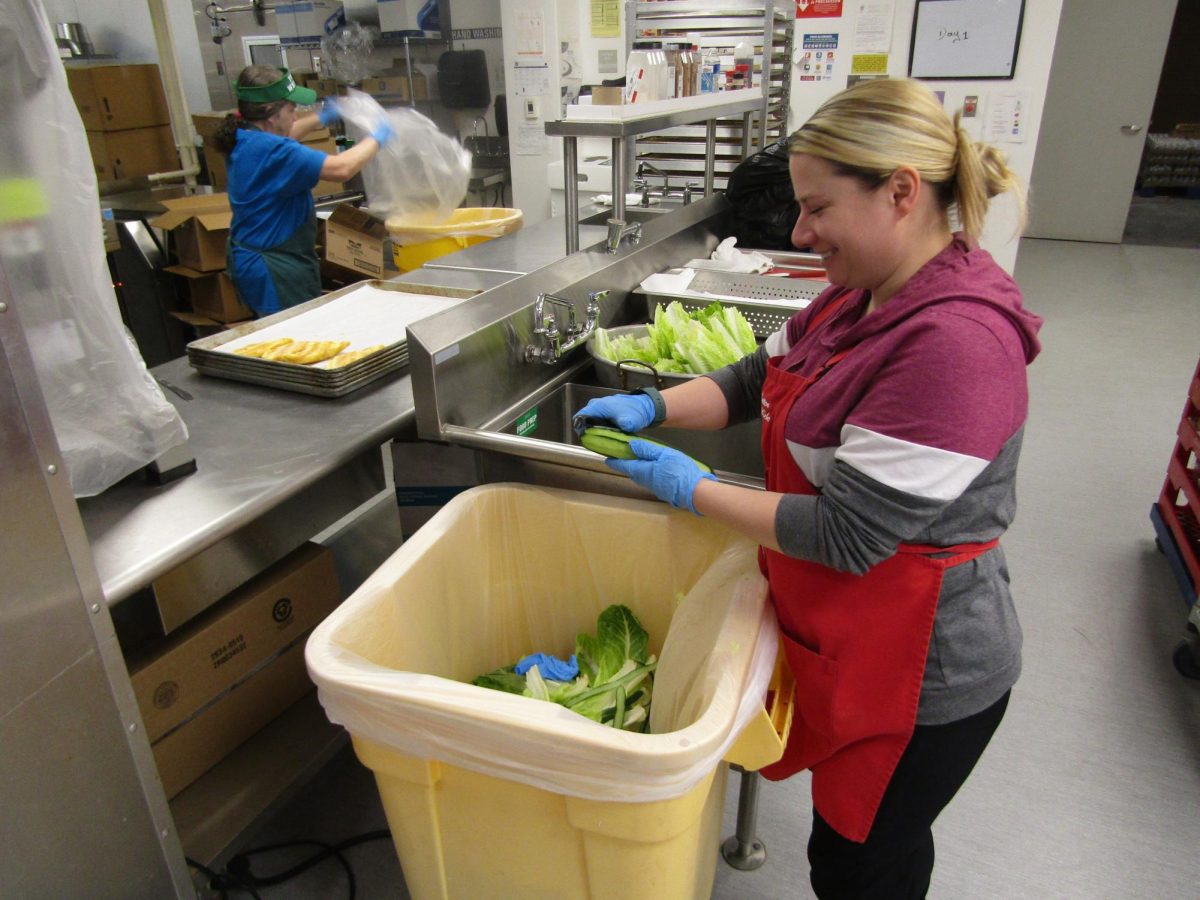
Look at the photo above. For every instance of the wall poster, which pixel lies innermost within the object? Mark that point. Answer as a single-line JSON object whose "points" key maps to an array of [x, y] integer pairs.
{"points": [[953, 39]]}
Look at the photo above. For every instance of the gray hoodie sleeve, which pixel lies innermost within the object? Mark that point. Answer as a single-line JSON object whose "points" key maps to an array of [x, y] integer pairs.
{"points": [[741, 383]]}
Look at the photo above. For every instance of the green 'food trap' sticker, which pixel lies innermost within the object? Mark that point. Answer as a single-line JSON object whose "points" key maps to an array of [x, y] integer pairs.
{"points": [[527, 423]]}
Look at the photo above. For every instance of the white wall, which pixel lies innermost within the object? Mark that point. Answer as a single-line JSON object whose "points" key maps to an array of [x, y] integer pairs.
{"points": [[1032, 73], [122, 28]]}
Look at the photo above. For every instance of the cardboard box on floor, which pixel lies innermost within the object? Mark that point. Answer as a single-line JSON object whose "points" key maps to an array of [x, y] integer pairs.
{"points": [[133, 152], [228, 642], [199, 226], [186, 753], [354, 239], [117, 96], [213, 295], [207, 123]]}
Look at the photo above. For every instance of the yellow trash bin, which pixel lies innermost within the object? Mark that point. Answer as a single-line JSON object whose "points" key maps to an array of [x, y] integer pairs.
{"points": [[496, 795], [414, 243]]}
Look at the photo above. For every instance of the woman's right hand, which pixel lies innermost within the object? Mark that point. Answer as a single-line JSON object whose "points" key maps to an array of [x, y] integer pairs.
{"points": [[629, 412], [383, 132]]}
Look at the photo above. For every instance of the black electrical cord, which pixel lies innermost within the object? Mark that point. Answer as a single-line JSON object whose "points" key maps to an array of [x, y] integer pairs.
{"points": [[238, 874], [222, 881]]}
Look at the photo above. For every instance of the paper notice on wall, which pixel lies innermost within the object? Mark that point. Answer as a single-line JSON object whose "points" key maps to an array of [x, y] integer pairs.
{"points": [[606, 18], [531, 79], [1008, 117], [531, 31], [531, 139], [873, 27]]}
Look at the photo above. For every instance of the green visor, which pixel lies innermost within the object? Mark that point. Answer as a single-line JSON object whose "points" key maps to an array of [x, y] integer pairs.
{"points": [[283, 89]]}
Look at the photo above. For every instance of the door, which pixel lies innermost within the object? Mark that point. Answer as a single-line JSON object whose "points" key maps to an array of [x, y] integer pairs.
{"points": [[1107, 61]]}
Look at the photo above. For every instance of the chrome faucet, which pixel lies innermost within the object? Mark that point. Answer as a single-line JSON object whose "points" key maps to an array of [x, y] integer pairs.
{"points": [[642, 169], [475, 126], [618, 231], [548, 346]]}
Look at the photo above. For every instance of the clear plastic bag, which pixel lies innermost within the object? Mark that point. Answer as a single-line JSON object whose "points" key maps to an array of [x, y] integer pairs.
{"points": [[421, 174], [347, 52], [109, 416]]}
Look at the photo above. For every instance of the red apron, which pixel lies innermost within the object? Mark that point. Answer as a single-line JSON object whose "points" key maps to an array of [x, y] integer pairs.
{"points": [[856, 644]]}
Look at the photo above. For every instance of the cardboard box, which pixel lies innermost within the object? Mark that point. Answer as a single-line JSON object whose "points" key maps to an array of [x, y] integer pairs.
{"points": [[355, 239], [213, 295], [133, 152], [186, 753], [328, 87], [237, 636], [607, 96], [308, 22], [395, 87], [200, 226], [118, 96], [203, 325]]}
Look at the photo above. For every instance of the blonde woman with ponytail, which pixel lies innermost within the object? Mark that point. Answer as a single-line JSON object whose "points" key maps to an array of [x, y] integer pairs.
{"points": [[892, 409]]}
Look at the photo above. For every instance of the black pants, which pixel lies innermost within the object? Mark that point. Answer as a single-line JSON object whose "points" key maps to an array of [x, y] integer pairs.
{"points": [[896, 860]]}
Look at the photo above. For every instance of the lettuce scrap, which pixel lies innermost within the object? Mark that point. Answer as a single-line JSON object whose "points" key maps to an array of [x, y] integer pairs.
{"points": [[616, 675], [679, 342]]}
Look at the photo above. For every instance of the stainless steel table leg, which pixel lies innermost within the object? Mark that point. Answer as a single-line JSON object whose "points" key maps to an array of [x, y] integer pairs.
{"points": [[744, 850]]}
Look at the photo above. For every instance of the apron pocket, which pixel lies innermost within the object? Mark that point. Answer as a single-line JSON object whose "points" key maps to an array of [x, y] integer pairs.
{"points": [[816, 679]]}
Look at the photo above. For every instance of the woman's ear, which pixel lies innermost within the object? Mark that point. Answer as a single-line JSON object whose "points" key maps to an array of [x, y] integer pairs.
{"points": [[904, 189]]}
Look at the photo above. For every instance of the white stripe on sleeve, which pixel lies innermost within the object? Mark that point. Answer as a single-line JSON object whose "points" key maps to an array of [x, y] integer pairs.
{"points": [[913, 468]]}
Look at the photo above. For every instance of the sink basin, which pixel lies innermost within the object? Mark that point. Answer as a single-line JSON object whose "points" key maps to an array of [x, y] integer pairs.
{"points": [[487, 151], [547, 417], [632, 214]]}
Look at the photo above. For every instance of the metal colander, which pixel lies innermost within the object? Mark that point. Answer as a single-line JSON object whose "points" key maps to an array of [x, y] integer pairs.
{"points": [[767, 301]]}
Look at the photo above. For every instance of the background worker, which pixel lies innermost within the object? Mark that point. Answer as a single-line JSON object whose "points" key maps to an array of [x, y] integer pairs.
{"points": [[893, 409], [272, 239]]}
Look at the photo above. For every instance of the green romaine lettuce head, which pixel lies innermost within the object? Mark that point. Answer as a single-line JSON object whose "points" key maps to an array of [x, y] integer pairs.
{"points": [[679, 342], [616, 675]]}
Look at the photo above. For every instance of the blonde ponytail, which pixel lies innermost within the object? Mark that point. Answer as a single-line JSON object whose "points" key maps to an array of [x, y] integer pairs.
{"points": [[981, 174]]}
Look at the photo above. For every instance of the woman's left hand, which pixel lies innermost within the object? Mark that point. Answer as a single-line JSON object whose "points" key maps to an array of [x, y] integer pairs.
{"points": [[329, 114], [671, 476]]}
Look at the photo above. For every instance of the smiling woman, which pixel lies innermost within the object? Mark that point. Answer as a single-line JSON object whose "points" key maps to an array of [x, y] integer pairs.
{"points": [[892, 410]]}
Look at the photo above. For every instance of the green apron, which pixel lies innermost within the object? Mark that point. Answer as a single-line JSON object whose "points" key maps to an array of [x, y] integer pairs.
{"points": [[293, 265]]}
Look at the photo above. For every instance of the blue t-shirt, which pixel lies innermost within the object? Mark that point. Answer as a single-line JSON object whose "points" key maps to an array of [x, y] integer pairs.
{"points": [[270, 191]]}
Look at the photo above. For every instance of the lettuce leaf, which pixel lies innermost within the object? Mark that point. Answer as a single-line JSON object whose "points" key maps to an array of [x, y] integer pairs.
{"points": [[682, 342], [616, 674]]}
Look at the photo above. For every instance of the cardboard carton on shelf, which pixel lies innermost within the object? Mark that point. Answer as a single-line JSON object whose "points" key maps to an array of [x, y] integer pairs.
{"points": [[200, 227], [355, 240], [394, 86], [117, 96], [213, 295], [226, 644], [187, 752], [133, 152]]}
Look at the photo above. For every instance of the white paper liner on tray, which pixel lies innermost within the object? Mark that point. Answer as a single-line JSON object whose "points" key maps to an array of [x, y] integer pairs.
{"points": [[364, 316]]}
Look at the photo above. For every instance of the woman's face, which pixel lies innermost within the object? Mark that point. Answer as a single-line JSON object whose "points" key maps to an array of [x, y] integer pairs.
{"points": [[284, 119], [850, 225]]}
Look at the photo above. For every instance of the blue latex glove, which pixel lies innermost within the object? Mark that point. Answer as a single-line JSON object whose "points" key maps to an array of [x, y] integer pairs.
{"points": [[329, 114], [550, 666], [672, 476], [629, 412], [383, 132]]}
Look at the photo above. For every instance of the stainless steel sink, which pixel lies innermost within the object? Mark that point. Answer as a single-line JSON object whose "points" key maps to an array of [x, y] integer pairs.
{"points": [[632, 214], [547, 417]]}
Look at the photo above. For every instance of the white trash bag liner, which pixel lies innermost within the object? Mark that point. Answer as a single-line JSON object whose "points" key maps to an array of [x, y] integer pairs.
{"points": [[506, 570]]}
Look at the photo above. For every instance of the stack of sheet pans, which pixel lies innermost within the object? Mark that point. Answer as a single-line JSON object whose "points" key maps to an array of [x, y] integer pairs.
{"points": [[365, 314]]}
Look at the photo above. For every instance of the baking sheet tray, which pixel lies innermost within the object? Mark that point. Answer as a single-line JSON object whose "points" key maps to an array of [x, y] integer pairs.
{"points": [[366, 313]]}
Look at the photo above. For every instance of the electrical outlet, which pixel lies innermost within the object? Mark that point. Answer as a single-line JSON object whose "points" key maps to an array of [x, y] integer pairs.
{"points": [[531, 108]]}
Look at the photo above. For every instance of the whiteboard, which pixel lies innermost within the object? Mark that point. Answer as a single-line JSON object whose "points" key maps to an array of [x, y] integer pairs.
{"points": [[965, 38]]}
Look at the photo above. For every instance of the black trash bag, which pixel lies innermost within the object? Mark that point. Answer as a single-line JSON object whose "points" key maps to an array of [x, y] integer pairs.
{"points": [[760, 194]]}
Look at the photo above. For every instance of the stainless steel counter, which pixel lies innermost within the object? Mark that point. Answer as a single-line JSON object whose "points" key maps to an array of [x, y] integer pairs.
{"points": [[258, 450], [519, 253]]}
